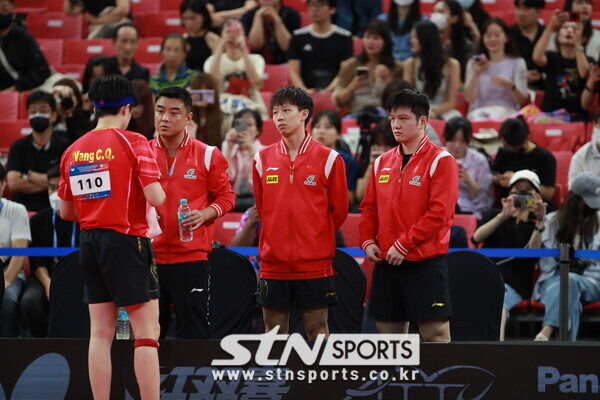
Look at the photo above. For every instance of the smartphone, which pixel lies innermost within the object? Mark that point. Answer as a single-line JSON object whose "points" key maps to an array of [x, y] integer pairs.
{"points": [[362, 71], [234, 26], [206, 96], [524, 201], [573, 17], [240, 125], [479, 57]]}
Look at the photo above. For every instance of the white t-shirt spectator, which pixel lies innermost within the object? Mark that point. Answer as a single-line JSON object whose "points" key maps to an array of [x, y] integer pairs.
{"points": [[14, 224]]}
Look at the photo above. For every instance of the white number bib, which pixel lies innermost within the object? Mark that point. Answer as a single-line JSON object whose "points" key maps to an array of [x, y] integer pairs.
{"points": [[90, 181]]}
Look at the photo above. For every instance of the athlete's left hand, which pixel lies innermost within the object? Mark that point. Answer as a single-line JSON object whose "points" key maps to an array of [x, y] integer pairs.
{"points": [[195, 218], [393, 257]]}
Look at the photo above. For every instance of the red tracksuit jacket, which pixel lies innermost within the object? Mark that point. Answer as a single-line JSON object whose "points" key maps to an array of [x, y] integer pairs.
{"points": [[198, 175], [411, 209], [301, 204]]}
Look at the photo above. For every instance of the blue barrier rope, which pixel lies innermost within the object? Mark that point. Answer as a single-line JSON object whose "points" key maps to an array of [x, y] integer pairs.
{"points": [[354, 252]]}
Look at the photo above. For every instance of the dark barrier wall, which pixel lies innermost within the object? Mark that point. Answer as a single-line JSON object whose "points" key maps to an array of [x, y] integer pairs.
{"points": [[57, 369]]}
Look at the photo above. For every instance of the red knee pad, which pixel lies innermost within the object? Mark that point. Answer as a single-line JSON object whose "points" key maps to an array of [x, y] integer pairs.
{"points": [[145, 342]]}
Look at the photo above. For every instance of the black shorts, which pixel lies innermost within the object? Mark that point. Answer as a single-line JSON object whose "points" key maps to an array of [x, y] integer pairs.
{"points": [[412, 291], [298, 293], [117, 267]]}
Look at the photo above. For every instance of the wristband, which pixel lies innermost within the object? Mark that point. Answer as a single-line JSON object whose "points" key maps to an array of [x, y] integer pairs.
{"points": [[542, 229]]}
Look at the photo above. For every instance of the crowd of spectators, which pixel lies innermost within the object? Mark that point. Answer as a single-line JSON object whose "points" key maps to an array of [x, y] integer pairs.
{"points": [[354, 53]]}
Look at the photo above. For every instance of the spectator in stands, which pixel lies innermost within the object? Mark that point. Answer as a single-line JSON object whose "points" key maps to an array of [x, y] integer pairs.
{"points": [[496, 82], [353, 15], [382, 140], [270, 26], [401, 19], [327, 130], [14, 232], [475, 185], [237, 71], [48, 229], [587, 158], [142, 115], [592, 87], [197, 22], [362, 78], [317, 50], [173, 70], [126, 40], [525, 34], [247, 233], [239, 147], [72, 120], [449, 18], [519, 224], [222, 10], [431, 72], [475, 17], [519, 152], [23, 66], [590, 37], [206, 122], [566, 69], [96, 67], [31, 157], [575, 223], [103, 16]]}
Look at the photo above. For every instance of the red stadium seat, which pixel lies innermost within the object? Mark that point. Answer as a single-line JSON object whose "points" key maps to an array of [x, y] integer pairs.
{"points": [[145, 6], [149, 50], [554, 4], [461, 104], [357, 45], [304, 19], [11, 131], [323, 101], [30, 6], [274, 77], [298, 5], [427, 6], [79, 51], [592, 308], [555, 137], [539, 98], [55, 26], [350, 230], [563, 162], [226, 226], [438, 126], [596, 19], [266, 97], [482, 126], [385, 5], [9, 106], [170, 5], [160, 24], [492, 6], [469, 223], [52, 50], [73, 71], [269, 134], [23, 114], [348, 124], [55, 5]]}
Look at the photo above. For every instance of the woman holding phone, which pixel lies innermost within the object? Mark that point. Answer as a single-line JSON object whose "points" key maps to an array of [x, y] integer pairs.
{"points": [[239, 147], [361, 79], [206, 122]]}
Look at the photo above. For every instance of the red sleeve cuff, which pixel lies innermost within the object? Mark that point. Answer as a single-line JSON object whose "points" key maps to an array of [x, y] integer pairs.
{"points": [[217, 209], [366, 244], [401, 249]]}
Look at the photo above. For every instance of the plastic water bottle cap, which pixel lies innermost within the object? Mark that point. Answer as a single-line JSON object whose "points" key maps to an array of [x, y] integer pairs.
{"points": [[183, 202]]}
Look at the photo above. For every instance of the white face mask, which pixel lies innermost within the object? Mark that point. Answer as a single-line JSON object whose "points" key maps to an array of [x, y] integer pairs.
{"points": [[596, 135], [54, 201], [440, 20], [404, 3]]}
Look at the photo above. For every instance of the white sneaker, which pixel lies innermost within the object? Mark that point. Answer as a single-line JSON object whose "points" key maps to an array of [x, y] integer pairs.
{"points": [[540, 337]]}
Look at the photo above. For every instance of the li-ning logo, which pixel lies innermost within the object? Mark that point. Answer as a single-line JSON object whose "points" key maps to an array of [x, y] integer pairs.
{"points": [[272, 169], [310, 181], [272, 178], [190, 174], [415, 181]]}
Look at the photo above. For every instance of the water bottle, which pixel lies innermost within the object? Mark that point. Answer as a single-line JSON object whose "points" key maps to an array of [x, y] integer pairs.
{"points": [[122, 325], [185, 232]]}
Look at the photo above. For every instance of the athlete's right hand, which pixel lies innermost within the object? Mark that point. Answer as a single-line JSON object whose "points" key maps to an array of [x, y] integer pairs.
{"points": [[373, 252]]}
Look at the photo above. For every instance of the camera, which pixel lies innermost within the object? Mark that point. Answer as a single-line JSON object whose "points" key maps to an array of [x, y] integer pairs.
{"points": [[573, 17], [524, 201], [362, 71]]}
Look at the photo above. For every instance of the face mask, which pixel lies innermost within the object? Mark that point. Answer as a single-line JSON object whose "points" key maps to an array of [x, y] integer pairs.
{"points": [[54, 201], [404, 3], [466, 4], [440, 20], [596, 135], [5, 20], [39, 122]]}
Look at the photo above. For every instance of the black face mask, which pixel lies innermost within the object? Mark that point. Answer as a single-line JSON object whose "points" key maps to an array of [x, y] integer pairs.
{"points": [[6, 20], [39, 122]]}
